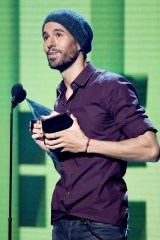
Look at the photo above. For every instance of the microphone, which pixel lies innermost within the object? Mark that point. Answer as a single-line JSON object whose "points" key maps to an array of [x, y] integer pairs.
{"points": [[18, 94]]}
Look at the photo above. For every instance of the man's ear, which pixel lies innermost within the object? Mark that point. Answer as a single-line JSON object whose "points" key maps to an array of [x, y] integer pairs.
{"points": [[79, 48]]}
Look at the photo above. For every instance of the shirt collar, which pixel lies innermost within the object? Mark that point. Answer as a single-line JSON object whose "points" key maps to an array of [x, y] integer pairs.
{"points": [[84, 76], [80, 80]]}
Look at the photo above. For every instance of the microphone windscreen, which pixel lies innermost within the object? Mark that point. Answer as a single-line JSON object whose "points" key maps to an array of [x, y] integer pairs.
{"points": [[18, 94], [22, 96], [17, 90]]}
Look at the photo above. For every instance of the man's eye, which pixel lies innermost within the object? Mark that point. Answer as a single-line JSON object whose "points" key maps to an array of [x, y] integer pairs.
{"points": [[45, 38], [58, 35]]}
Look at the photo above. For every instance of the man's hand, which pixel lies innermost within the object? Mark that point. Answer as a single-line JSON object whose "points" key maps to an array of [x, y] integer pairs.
{"points": [[70, 140], [37, 132]]}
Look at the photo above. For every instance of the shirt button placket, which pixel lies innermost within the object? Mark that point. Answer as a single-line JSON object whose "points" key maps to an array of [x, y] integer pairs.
{"points": [[69, 192]]}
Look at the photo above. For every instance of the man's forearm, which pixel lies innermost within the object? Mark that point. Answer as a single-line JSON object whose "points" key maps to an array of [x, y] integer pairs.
{"points": [[143, 148]]}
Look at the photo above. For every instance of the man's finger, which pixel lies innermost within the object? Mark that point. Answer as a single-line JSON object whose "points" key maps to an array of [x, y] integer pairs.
{"points": [[53, 114]]}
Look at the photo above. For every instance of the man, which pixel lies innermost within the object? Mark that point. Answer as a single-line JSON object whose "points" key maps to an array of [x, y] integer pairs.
{"points": [[109, 129]]}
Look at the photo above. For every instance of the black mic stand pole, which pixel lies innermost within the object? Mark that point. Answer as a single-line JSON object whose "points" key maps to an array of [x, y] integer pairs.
{"points": [[10, 174], [18, 95]]}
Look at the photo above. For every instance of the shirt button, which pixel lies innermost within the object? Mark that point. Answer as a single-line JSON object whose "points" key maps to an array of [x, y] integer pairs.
{"points": [[68, 193]]}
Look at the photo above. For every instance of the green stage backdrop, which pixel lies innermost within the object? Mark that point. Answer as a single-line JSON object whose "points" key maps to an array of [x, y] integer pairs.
{"points": [[127, 41]]}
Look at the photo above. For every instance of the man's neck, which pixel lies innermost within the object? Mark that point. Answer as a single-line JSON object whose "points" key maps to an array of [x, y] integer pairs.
{"points": [[73, 71]]}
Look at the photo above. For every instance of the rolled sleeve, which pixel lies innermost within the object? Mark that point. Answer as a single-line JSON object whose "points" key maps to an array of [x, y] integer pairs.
{"points": [[130, 117], [138, 127]]}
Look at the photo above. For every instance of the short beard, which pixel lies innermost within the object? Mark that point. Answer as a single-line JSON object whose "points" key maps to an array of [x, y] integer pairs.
{"points": [[66, 62]]}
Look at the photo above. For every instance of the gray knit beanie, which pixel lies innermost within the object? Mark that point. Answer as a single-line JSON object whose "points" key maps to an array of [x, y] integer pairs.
{"points": [[75, 24]]}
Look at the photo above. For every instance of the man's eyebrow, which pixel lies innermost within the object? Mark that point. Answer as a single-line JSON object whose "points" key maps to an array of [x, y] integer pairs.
{"points": [[58, 30], [54, 30], [44, 33]]}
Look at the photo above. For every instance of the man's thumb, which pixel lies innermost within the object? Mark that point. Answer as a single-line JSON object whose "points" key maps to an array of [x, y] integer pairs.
{"points": [[53, 114]]}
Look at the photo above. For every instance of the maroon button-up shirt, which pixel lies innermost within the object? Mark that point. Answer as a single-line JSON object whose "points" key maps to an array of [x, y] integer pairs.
{"points": [[91, 185]]}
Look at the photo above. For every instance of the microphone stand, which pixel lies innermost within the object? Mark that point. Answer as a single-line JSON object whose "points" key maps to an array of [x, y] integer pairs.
{"points": [[18, 95], [10, 174]]}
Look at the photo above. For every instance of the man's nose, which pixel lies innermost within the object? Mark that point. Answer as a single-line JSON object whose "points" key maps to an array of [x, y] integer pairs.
{"points": [[51, 42]]}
